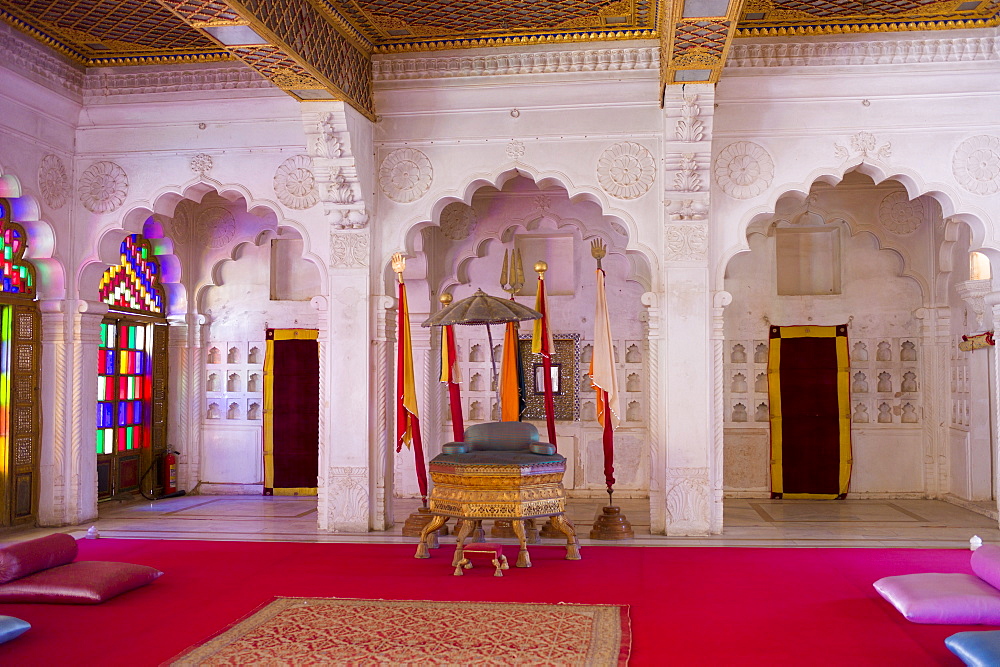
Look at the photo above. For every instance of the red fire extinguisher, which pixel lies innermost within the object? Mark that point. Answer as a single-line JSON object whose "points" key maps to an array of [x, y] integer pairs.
{"points": [[169, 473]]}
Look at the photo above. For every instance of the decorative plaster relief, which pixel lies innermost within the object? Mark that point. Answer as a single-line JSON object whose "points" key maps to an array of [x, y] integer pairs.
{"points": [[328, 144], [458, 220], [687, 500], [515, 149], [689, 127], [976, 164], [201, 164], [687, 209], [216, 227], [875, 52], [348, 250], [899, 214], [103, 187], [744, 169], [864, 145], [687, 178], [405, 175], [348, 496], [685, 243], [626, 170], [295, 184], [529, 62], [52, 181]]}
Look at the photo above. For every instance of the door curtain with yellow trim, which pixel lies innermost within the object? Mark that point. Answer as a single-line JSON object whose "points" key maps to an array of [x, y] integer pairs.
{"points": [[291, 412], [808, 374]]}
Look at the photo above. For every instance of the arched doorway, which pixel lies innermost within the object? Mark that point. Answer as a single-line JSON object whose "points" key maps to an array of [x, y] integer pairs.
{"points": [[462, 249], [20, 361], [131, 419]]}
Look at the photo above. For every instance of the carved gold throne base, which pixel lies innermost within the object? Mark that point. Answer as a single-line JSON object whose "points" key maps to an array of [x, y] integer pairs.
{"points": [[516, 492]]}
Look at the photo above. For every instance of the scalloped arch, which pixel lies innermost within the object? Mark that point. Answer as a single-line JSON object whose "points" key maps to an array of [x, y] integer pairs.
{"points": [[50, 272], [950, 201], [641, 258]]}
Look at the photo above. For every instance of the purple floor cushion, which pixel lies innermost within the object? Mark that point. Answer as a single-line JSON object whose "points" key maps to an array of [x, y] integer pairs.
{"points": [[951, 598], [976, 649], [11, 627], [82, 582]]}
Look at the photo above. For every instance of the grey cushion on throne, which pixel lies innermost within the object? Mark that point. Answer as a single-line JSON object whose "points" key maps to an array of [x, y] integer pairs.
{"points": [[509, 442]]}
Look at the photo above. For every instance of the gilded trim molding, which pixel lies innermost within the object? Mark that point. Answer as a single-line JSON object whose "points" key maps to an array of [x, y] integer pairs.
{"points": [[876, 52], [643, 58]]}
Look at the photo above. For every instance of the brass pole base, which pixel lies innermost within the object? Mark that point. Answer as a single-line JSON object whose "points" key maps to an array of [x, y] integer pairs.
{"points": [[415, 525], [611, 525]]}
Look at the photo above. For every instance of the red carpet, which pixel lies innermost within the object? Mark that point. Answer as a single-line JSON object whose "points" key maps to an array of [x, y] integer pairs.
{"points": [[688, 606]]}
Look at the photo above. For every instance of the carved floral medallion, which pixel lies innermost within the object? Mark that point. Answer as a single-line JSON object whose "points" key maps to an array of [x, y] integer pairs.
{"points": [[201, 164], [216, 226], [976, 164], [103, 187], [515, 149], [52, 181], [295, 184], [899, 214], [405, 175], [744, 169], [626, 170], [458, 219]]}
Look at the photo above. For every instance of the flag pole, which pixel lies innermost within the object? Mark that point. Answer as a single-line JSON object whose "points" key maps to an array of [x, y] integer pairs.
{"points": [[511, 281], [542, 344], [611, 524], [449, 374]]}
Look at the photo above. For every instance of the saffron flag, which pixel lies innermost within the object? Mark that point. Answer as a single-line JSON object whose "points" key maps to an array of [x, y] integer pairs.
{"points": [[604, 378], [407, 422], [541, 343], [510, 372], [450, 374]]}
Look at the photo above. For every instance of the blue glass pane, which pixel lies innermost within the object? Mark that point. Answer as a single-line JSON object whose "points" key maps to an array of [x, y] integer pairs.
{"points": [[137, 412], [122, 409]]}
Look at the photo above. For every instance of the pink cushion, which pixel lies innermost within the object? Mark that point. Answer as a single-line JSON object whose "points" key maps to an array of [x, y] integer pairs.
{"points": [[20, 559], [82, 582], [935, 597], [985, 563]]}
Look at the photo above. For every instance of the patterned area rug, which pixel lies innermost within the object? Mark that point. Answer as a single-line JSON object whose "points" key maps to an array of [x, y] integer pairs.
{"points": [[304, 631]]}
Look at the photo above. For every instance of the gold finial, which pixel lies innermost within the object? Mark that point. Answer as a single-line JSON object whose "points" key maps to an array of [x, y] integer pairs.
{"points": [[598, 250], [512, 273], [540, 268], [445, 299], [398, 265]]}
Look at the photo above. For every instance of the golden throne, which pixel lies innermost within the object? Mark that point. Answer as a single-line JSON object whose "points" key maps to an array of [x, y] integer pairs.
{"points": [[500, 471]]}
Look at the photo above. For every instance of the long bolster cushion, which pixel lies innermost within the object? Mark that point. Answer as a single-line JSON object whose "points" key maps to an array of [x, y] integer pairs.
{"points": [[11, 627], [82, 582], [948, 598], [20, 559]]}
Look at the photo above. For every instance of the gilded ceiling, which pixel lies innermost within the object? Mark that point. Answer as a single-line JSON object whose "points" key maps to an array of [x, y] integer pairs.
{"points": [[322, 49]]}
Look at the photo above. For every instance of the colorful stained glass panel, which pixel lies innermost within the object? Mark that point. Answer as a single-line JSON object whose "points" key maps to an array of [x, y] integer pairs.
{"points": [[133, 284], [16, 275]]}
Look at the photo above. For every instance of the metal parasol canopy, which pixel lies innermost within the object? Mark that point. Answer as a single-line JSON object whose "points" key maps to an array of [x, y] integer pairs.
{"points": [[481, 308]]}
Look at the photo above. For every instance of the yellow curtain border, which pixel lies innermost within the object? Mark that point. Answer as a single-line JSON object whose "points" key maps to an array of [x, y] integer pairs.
{"points": [[844, 406], [278, 334]]}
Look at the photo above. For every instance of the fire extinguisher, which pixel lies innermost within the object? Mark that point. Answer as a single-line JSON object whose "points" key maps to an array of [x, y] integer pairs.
{"points": [[170, 473]]}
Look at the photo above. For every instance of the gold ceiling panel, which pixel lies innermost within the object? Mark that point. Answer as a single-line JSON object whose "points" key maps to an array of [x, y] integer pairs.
{"points": [[693, 48], [408, 25], [804, 17], [100, 32]]}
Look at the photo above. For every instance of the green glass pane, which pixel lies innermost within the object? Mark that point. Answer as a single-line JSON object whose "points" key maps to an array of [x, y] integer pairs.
{"points": [[100, 441], [129, 432]]}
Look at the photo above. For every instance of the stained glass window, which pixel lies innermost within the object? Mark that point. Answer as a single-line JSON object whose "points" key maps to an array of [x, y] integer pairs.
{"points": [[6, 337], [17, 277], [134, 284], [124, 386]]}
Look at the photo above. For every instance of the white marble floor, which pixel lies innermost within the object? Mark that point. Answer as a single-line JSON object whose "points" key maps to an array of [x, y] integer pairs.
{"points": [[748, 523]]}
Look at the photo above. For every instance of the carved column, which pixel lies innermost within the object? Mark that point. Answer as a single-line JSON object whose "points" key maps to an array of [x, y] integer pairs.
{"points": [[382, 429], [70, 339], [186, 395], [339, 143], [720, 300], [657, 410], [692, 485], [58, 490], [992, 302], [934, 362], [978, 418]]}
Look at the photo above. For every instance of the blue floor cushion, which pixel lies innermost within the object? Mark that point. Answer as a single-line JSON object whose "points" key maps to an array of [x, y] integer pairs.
{"points": [[11, 627], [976, 648]]}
